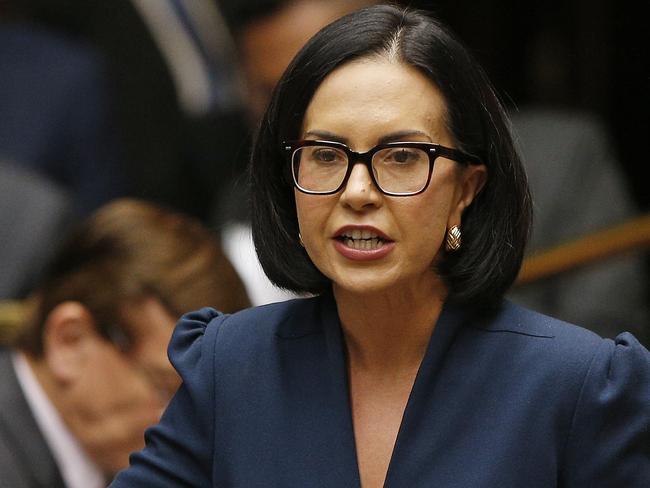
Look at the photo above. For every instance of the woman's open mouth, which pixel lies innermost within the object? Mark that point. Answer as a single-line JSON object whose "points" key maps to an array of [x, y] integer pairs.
{"points": [[361, 239], [362, 243]]}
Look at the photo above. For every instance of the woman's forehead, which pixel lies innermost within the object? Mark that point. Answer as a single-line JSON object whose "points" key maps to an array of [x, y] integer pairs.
{"points": [[376, 96]]}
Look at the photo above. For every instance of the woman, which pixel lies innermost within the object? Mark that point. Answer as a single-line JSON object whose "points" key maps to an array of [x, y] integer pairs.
{"points": [[386, 184]]}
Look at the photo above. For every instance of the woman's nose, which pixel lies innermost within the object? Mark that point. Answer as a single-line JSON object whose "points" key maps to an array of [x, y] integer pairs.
{"points": [[360, 191]]}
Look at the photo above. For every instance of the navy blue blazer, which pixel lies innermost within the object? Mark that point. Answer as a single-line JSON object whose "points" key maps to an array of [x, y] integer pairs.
{"points": [[516, 400]]}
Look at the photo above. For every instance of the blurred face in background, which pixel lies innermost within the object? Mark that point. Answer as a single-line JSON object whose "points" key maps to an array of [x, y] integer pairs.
{"points": [[109, 391], [269, 44]]}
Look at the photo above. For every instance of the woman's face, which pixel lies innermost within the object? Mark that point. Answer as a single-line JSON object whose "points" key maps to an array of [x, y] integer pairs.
{"points": [[361, 104]]}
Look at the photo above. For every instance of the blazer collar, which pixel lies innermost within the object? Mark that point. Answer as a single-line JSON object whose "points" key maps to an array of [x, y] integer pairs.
{"points": [[319, 356], [320, 438], [421, 403]]}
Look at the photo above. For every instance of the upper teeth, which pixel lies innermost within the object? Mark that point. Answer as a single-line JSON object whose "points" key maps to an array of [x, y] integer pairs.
{"points": [[360, 234]]}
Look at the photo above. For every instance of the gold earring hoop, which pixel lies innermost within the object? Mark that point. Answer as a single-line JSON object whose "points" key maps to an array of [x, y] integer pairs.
{"points": [[453, 239], [300, 239]]}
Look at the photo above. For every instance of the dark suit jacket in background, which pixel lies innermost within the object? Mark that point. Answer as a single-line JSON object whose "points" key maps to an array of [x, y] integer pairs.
{"points": [[519, 400], [25, 458], [180, 160], [54, 114]]}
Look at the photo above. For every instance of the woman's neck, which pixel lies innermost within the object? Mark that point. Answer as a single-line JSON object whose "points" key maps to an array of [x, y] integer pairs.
{"points": [[388, 330]]}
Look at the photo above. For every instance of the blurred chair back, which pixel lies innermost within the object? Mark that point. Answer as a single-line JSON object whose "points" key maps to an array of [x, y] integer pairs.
{"points": [[34, 214], [597, 278]]}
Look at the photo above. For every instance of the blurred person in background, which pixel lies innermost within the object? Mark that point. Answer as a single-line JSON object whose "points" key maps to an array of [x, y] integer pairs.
{"points": [[56, 112], [175, 90], [267, 34], [60, 156], [87, 371]]}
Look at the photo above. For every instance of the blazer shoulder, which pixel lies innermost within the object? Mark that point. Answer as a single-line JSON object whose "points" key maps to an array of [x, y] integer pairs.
{"points": [[258, 326], [538, 337], [516, 319], [199, 334]]}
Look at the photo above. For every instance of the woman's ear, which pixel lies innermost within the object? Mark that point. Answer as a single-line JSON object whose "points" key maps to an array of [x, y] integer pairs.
{"points": [[69, 334], [472, 180]]}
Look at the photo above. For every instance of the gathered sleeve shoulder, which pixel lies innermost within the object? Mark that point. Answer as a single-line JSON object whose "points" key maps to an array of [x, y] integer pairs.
{"points": [[609, 441], [179, 448]]}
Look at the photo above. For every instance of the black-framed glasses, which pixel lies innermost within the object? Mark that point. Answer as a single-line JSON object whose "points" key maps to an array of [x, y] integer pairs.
{"points": [[396, 168]]}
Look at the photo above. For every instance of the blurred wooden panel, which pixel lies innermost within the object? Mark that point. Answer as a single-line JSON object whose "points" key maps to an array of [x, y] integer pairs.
{"points": [[632, 235]]}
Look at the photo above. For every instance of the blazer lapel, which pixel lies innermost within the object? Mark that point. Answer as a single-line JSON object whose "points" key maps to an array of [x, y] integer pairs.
{"points": [[321, 437], [418, 430]]}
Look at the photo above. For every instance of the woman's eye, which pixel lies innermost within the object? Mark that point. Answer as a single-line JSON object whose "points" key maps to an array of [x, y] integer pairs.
{"points": [[402, 156], [325, 155]]}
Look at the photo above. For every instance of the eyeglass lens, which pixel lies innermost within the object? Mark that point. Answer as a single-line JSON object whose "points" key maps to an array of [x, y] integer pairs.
{"points": [[396, 169]]}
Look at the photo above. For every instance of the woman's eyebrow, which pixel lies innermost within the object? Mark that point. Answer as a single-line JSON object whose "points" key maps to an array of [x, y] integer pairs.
{"points": [[323, 134], [392, 137], [400, 135]]}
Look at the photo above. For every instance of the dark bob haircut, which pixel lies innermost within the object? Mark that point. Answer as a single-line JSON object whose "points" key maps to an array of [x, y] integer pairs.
{"points": [[495, 227]]}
